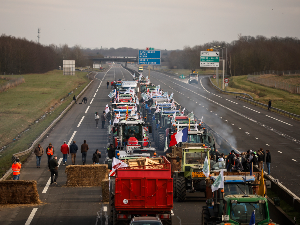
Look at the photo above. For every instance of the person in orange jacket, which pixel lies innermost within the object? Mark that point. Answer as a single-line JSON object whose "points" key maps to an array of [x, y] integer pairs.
{"points": [[49, 152], [16, 167], [65, 151]]}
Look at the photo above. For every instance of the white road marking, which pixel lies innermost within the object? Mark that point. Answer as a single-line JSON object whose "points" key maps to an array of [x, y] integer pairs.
{"points": [[71, 139], [49, 181], [30, 218], [267, 145], [80, 121], [87, 109], [279, 151], [294, 160], [91, 101], [95, 94], [97, 90]]}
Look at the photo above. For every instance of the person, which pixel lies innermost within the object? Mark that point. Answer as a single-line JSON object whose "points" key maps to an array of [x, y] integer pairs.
{"points": [[96, 157], [269, 104], [268, 161], [49, 152], [65, 151], [16, 167], [53, 167], [38, 151], [84, 100], [217, 155], [103, 119], [229, 160], [110, 151], [73, 151], [74, 98], [237, 165], [84, 149], [97, 119], [254, 159], [111, 84], [107, 84], [261, 156], [221, 158]]}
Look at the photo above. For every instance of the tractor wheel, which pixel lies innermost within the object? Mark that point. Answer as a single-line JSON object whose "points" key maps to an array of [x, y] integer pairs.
{"points": [[205, 216], [161, 142], [180, 189], [174, 188]]}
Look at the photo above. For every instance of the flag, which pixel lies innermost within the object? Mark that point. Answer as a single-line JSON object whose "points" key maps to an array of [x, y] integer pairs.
{"points": [[252, 219], [126, 117], [261, 190], [116, 164], [166, 145], [106, 109], [137, 101], [171, 95], [180, 136], [206, 168], [182, 112], [128, 91], [219, 182], [173, 118]]}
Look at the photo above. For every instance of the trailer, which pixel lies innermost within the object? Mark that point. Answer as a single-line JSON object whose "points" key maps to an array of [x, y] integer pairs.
{"points": [[144, 190]]}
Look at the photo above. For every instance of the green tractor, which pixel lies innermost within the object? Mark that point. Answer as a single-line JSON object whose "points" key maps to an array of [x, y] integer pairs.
{"points": [[187, 164], [237, 209]]}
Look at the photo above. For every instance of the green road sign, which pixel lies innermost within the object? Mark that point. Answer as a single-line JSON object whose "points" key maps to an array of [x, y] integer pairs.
{"points": [[182, 76], [209, 59]]}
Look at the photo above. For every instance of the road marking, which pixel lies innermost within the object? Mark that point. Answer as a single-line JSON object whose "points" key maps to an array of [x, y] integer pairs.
{"points": [[80, 122], [294, 160], [91, 101], [87, 109], [267, 145], [97, 90], [49, 181], [279, 151], [72, 137], [30, 218], [95, 94]]}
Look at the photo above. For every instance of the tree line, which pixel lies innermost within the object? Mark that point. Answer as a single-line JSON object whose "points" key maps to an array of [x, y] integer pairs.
{"points": [[20, 56], [245, 55]]}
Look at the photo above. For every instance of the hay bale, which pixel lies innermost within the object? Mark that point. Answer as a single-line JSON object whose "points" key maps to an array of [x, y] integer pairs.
{"points": [[86, 175], [19, 192], [105, 190]]}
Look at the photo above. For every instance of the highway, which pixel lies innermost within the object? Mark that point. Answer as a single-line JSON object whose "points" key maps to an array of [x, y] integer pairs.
{"points": [[231, 118], [79, 205], [243, 125]]}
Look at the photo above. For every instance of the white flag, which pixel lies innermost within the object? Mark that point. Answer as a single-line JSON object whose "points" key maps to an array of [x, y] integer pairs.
{"points": [[206, 168], [116, 164], [106, 109], [219, 182]]}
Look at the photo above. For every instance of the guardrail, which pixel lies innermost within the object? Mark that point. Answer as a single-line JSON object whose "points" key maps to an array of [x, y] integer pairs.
{"points": [[27, 151], [229, 92], [250, 100], [279, 111]]}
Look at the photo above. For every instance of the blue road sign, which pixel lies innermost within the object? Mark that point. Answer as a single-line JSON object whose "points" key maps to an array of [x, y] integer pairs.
{"points": [[149, 54], [149, 61]]}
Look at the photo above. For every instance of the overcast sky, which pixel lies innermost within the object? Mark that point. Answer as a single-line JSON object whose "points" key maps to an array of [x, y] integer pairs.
{"points": [[162, 24]]}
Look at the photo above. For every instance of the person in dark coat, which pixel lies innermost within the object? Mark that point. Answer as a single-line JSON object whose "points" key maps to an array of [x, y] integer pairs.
{"points": [[74, 98], [261, 156], [268, 161], [84, 149], [73, 151], [38, 151], [96, 157], [53, 167], [254, 159], [107, 84], [229, 160], [269, 104], [103, 118], [237, 165]]}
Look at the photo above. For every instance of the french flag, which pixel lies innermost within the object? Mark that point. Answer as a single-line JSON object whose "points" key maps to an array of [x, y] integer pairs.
{"points": [[180, 136]]}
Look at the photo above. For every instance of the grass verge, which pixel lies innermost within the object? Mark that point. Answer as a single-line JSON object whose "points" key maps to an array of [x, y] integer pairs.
{"points": [[27, 110], [186, 72], [280, 99]]}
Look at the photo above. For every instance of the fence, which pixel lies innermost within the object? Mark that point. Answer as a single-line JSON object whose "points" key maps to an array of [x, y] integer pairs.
{"points": [[273, 83], [276, 72]]}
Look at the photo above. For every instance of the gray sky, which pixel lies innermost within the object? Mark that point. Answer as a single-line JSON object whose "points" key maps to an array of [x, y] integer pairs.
{"points": [[162, 24]]}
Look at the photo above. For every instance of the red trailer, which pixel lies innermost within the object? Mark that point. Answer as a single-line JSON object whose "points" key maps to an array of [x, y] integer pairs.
{"points": [[142, 191]]}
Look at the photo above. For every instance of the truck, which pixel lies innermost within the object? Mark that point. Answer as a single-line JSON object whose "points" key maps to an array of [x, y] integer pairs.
{"points": [[141, 69], [187, 163], [193, 78], [142, 190]]}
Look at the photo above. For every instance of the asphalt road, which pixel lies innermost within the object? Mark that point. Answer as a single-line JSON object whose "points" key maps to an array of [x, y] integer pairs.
{"points": [[79, 205], [243, 125]]}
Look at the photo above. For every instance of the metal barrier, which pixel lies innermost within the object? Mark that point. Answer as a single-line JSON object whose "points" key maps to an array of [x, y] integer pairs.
{"points": [[27, 151], [229, 92], [250, 100]]}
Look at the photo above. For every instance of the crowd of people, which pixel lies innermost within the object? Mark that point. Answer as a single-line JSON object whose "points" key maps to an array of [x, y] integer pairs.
{"points": [[52, 158], [243, 162]]}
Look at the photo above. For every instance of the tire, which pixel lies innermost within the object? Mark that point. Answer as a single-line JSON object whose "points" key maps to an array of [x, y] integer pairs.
{"points": [[114, 219], [161, 142], [174, 187], [205, 216], [180, 189], [167, 222]]}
